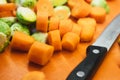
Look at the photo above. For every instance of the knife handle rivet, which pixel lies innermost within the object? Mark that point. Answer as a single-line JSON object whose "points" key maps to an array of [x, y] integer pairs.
{"points": [[80, 74], [96, 51]]}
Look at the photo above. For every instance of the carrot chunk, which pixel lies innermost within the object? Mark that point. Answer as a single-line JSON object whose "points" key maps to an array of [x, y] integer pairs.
{"points": [[8, 7], [70, 41], [21, 41], [45, 6], [42, 21], [76, 29], [34, 75], [55, 40], [98, 13], [6, 14], [65, 26], [88, 26], [81, 10], [40, 53], [54, 23]]}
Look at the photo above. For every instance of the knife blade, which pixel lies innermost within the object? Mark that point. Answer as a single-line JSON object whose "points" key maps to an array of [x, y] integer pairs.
{"points": [[96, 52]]}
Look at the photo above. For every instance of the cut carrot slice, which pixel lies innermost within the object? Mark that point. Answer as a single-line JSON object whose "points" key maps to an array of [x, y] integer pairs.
{"points": [[54, 23], [98, 13], [70, 41], [34, 75], [21, 41], [54, 39], [65, 26], [8, 7], [6, 14], [76, 29], [42, 21], [45, 6], [40, 53], [88, 26], [81, 10]]}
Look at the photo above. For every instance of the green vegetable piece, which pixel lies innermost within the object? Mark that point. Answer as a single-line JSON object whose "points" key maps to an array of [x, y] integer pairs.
{"points": [[3, 41], [9, 20], [3, 1], [4, 28], [19, 27], [26, 15], [58, 2], [59, 8], [28, 3], [39, 36], [101, 3]]}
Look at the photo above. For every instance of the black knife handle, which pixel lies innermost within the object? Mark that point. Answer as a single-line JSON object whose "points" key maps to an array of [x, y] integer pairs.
{"points": [[86, 69]]}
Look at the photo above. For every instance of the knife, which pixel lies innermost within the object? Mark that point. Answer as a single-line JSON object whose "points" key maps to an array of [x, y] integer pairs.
{"points": [[96, 52]]}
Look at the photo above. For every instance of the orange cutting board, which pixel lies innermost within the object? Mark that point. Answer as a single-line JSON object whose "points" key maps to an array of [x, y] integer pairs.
{"points": [[14, 64]]}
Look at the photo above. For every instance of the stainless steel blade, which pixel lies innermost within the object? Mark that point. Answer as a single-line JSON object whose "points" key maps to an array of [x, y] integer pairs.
{"points": [[110, 34]]}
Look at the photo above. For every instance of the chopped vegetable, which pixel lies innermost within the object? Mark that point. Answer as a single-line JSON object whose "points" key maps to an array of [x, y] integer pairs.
{"points": [[88, 26], [81, 10], [58, 2], [9, 20], [40, 36], [54, 39], [4, 28], [62, 12], [101, 3], [53, 23], [3, 1], [42, 21], [65, 26], [21, 41], [19, 27], [6, 14], [70, 41], [40, 53], [34, 75], [4, 41], [98, 13], [25, 15], [28, 3]]}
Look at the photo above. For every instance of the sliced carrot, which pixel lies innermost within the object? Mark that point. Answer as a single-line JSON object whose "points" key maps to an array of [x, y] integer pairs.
{"points": [[70, 41], [34, 75], [42, 21], [40, 53], [45, 6], [81, 10], [8, 7], [98, 13], [76, 29], [73, 3], [54, 23], [54, 39], [6, 14], [88, 26], [65, 26], [21, 41]]}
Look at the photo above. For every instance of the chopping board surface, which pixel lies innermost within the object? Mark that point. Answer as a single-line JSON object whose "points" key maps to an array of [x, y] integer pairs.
{"points": [[14, 64]]}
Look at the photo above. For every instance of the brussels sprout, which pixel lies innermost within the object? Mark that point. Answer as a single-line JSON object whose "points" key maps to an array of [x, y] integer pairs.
{"points": [[101, 3], [39, 36], [19, 27], [4, 28], [4, 35], [28, 3], [9, 20], [25, 15], [3, 1]]}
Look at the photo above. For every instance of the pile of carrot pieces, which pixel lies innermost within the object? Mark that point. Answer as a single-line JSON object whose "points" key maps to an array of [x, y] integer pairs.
{"points": [[65, 30]]}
